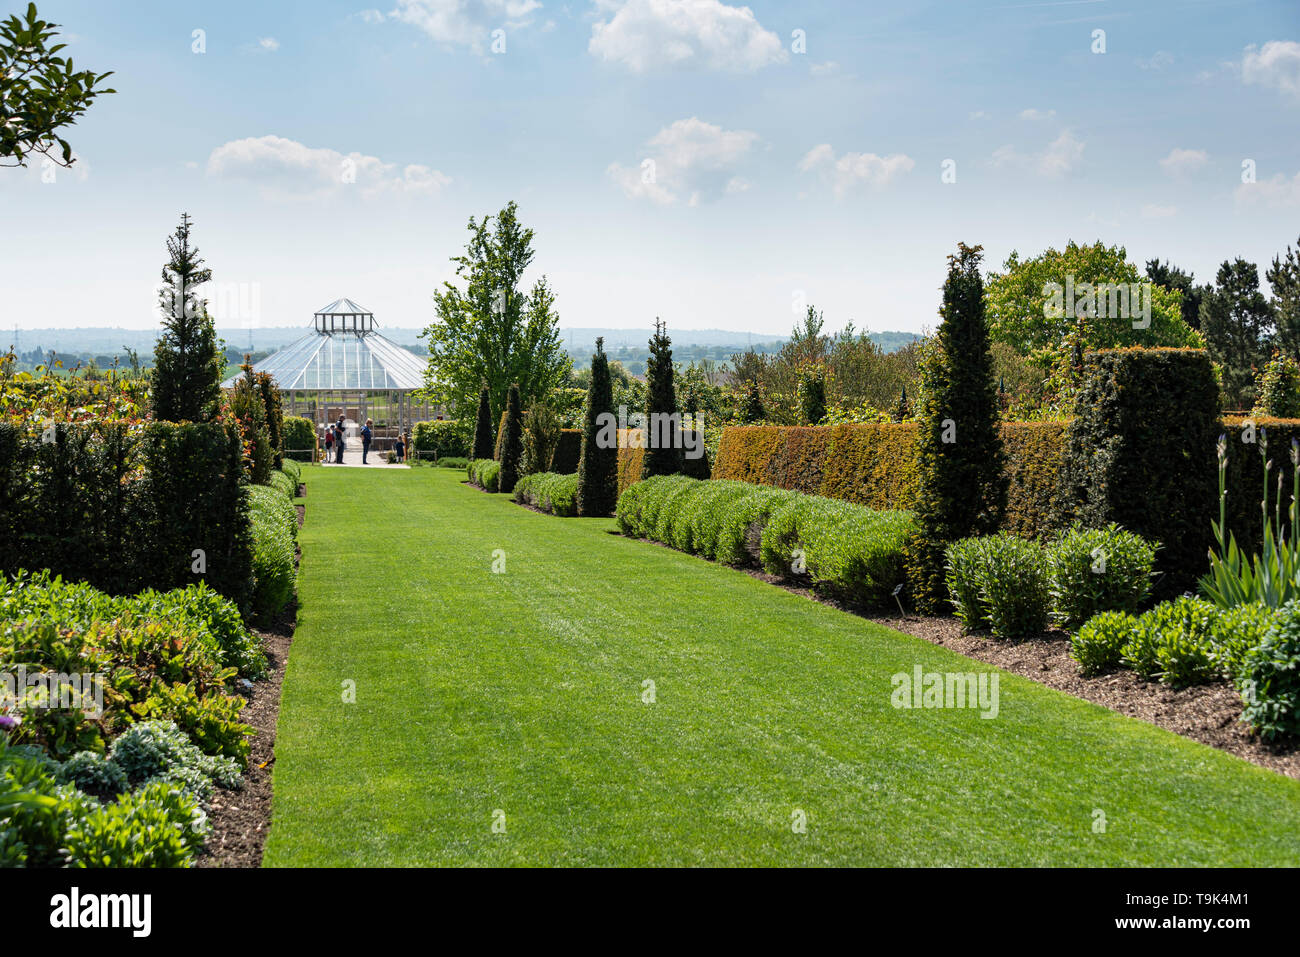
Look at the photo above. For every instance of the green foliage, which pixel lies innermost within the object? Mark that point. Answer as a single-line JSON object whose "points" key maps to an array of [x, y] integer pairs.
{"points": [[186, 382], [452, 462], [1172, 642], [155, 827], [484, 444], [512, 443], [1269, 678], [1237, 323], [212, 720], [485, 473], [1140, 452], [568, 452], [158, 749], [248, 411], [961, 486], [662, 457], [300, 440], [1279, 389], [598, 459], [94, 774], [844, 550], [282, 482], [490, 332], [1284, 278], [753, 409], [1235, 633], [541, 437], [1096, 570], [550, 492], [448, 438], [274, 523], [274, 416], [294, 471], [35, 811], [999, 581], [812, 395], [40, 92], [1098, 646]]}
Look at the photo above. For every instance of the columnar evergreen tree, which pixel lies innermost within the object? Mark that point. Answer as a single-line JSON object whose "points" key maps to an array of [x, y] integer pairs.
{"points": [[249, 412], [962, 489], [485, 442], [1284, 277], [186, 383], [274, 415], [1238, 325], [598, 462], [512, 448], [753, 410], [663, 454]]}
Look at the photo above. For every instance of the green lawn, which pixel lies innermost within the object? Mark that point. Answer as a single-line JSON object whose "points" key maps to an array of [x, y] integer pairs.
{"points": [[522, 692]]}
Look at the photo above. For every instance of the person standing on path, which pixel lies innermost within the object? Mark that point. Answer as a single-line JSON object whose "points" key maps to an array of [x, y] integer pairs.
{"points": [[339, 443], [366, 433], [329, 444]]}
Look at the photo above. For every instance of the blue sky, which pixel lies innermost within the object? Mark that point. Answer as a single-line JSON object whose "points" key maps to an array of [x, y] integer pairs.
{"points": [[329, 149]]}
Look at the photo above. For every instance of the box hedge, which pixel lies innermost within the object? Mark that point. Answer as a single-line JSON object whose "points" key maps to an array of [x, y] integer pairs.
{"points": [[549, 492], [300, 439], [442, 438]]}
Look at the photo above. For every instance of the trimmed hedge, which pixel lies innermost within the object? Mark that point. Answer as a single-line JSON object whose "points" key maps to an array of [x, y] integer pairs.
{"points": [[275, 529], [567, 451], [844, 550], [1245, 478], [874, 464], [293, 470], [449, 438], [125, 508], [1140, 452], [550, 492], [300, 434], [282, 481], [485, 474]]}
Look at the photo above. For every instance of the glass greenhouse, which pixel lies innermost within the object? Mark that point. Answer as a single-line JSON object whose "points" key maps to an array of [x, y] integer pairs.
{"points": [[344, 367]]}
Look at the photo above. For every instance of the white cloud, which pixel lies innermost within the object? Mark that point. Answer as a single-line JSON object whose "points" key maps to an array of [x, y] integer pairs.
{"points": [[286, 169], [1157, 61], [463, 23], [268, 44], [371, 16], [1033, 114], [1180, 162], [979, 115], [1276, 66], [1275, 192], [690, 161], [848, 170], [1152, 211], [1060, 156], [824, 69], [653, 34]]}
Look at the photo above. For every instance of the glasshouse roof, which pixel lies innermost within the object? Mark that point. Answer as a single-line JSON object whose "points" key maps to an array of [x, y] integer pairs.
{"points": [[334, 356]]}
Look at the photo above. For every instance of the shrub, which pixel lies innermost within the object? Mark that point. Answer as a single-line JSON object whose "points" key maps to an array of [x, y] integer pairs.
{"points": [[32, 830], [1013, 592], [1279, 388], [1140, 452], [568, 452], [282, 482], [1096, 570], [151, 828], [152, 748], [442, 438], [549, 492], [661, 457], [485, 473], [300, 440], [1172, 642], [1269, 678], [294, 471], [93, 773], [1235, 633], [1033, 463], [966, 575], [1098, 646], [212, 720], [274, 526], [452, 463]]}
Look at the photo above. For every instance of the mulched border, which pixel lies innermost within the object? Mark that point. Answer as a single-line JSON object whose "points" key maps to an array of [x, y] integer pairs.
{"points": [[242, 819]]}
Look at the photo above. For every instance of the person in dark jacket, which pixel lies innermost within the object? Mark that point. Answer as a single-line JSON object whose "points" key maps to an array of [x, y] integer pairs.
{"points": [[339, 442], [366, 433]]}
